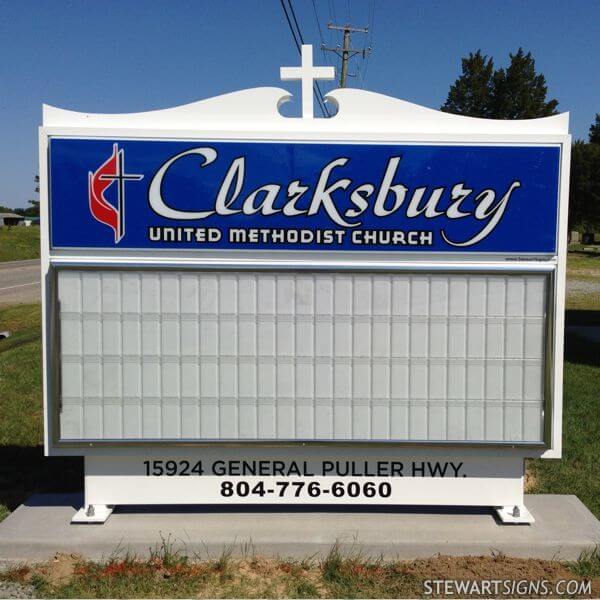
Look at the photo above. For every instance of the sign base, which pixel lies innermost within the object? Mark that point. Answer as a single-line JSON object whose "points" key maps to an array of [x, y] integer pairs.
{"points": [[515, 515], [310, 475], [92, 514]]}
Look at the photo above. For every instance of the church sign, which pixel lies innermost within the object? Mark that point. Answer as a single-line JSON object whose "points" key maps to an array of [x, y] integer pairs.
{"points": [[312, 196], [241, 307]]}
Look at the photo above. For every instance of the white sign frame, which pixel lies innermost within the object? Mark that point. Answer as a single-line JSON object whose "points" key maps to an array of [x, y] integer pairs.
{"points": [[253, 115]]}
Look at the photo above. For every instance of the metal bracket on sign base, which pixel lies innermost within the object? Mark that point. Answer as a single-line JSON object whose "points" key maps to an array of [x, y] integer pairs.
{"points": [[93, 513], [516, 514]]}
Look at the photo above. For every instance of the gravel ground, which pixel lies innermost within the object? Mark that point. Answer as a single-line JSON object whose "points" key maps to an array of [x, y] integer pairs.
{"points": [[583, 286], [9, 589]]}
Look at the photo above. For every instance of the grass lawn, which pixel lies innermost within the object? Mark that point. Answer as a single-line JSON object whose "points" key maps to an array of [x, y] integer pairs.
{"points": [[578, 472], [20, 376], [23, 468], [19, 243]]}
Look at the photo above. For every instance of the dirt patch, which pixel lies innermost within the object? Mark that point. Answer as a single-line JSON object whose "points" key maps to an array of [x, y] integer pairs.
{"points": [[263, 578], [488, 567], [498, 568], [60, 569]]}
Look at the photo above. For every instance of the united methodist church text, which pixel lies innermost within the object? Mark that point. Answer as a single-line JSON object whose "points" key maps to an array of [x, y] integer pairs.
{"points": [[386, 199]]}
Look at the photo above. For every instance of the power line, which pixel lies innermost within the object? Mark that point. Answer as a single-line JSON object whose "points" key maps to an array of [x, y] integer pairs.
{"points": [[360, 77], [371, 20], [371, 28], [295, 20], [290, 24], [332, 10], [299, 41], [325, 55], [361, 74], [318, 22]]}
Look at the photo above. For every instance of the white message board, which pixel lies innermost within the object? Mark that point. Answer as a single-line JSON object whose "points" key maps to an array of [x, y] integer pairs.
{"points": [[180, 355]]}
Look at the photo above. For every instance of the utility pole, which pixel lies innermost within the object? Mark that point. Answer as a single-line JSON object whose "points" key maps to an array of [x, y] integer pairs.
{"points": [[346, 52]]}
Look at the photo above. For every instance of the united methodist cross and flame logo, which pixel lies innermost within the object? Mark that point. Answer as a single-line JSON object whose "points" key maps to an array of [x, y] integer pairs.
{"points": [[110, 172]]}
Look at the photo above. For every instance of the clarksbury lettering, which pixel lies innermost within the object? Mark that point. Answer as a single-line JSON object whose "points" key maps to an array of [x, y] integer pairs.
{"points": [[387, 200]]}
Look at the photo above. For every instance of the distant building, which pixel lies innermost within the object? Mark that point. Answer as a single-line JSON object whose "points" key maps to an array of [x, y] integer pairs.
{"points": [[10, 219]]}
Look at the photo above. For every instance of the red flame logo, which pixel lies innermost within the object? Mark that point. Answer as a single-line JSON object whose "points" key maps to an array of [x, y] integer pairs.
{"points": [[111, 171]]}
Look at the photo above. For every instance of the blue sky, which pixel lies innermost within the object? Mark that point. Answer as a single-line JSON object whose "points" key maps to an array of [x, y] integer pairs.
{"points": [[139, 55]]}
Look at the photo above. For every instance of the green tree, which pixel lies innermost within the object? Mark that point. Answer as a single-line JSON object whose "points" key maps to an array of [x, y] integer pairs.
{"points": [[470, 94], [30, 211], [517, 92], [584, 193], [595, 130]]}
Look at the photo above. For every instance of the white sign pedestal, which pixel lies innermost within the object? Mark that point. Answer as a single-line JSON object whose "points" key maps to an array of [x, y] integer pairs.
{"points": [[308, 475]]}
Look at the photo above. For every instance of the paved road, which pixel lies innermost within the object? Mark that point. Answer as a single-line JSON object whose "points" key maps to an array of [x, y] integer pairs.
{"points": [[582, 287], [20, 282]]}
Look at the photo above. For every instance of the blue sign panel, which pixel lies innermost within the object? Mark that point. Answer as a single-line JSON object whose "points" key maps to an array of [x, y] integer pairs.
{"points": [[303, 196]]}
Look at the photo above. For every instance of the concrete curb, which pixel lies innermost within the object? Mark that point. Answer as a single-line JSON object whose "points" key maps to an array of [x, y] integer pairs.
{"points": [[41, 527]]}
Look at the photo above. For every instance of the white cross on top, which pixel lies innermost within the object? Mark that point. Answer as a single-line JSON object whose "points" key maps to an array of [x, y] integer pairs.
{"points": [[307, 73]]}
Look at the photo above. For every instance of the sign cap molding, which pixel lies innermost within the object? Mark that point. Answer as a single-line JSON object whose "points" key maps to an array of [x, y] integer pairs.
{"points": [[258, 108]]}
